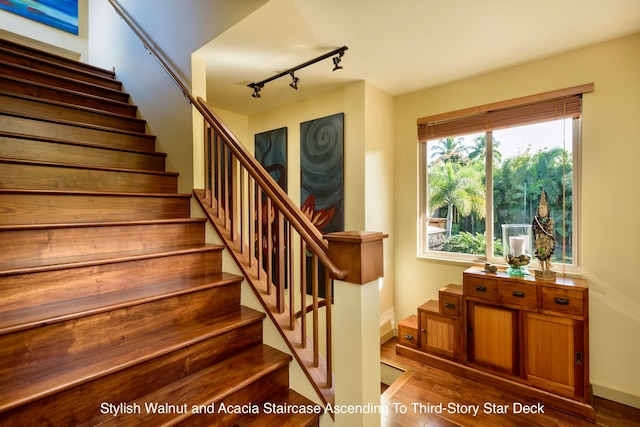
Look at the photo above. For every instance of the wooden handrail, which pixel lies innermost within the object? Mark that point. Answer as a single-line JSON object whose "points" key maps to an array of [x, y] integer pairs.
{"points": [[294, 215]]}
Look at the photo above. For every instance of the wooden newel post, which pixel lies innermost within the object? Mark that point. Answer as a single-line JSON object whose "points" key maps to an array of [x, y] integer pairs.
{"points": [[356, 326]]}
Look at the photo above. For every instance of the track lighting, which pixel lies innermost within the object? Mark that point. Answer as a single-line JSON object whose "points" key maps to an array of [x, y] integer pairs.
{"points": [[257, 87], [295, 81]]}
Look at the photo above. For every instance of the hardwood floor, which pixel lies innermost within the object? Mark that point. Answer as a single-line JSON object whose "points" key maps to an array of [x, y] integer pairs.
{"points": [[429, 397]]}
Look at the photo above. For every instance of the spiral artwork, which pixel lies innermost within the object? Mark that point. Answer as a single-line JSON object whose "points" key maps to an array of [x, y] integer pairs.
{"points": [[322, 168]]}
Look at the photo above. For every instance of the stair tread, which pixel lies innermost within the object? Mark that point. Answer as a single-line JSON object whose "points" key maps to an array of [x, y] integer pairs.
{"points": [[452, 289], [432, 306], [284, 418], [27, 384], [72, 92], [113, 130], [79, 83], [30, 317], [210, 385], [97, 224], [77, 143], [84, 166], [60, 263], [91, 193], [52, 57], [73, 107]]}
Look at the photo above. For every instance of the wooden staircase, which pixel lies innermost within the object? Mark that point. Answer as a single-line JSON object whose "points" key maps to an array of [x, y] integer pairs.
{"points": [[113, 309]]}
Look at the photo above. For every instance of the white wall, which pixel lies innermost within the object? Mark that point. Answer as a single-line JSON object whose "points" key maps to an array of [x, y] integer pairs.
{"points": [[610, 203]]}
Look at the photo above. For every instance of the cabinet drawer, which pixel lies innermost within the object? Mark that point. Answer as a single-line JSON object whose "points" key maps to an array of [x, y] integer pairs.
{"points": [[519, 294], [450, 305], [563, 301], [480, 287], [408, 331]]}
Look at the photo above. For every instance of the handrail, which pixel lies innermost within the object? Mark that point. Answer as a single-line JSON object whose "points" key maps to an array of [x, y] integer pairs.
{"points": [[302, 224], [231, 172], [294, 215]]}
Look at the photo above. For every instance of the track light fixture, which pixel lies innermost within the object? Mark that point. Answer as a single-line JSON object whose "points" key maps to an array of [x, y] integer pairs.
{"points": [[336, 62], [256, 90], [295, 81], [257, 87]]}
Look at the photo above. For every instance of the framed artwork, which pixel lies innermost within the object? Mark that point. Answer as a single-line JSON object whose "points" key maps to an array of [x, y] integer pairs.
{"points": [[322, 175], [60, 14]]}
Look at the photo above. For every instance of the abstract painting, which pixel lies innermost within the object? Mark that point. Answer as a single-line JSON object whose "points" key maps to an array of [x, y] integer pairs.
{"points": [[322, 175], [60, 14], [271, 152]]}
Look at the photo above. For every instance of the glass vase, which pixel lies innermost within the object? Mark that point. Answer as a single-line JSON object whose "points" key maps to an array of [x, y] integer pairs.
{"points": [[517, 244]]}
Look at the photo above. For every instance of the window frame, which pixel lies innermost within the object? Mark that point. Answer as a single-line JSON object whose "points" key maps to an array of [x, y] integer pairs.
{"points": [[423, 213]]}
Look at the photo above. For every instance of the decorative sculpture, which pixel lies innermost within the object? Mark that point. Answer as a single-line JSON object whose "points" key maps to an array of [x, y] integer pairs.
{"points": [[544, 240]]}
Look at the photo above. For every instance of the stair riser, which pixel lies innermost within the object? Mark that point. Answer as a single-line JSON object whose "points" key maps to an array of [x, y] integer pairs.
{"points": [[25, 87], [55, 58], [24, 290], [59, 208], [45, 346], [58, 69], [82, 403], [34, 107], [43, 177], [21, 245], [257, 391], [71, 132], [61, 82], [59, 152]]}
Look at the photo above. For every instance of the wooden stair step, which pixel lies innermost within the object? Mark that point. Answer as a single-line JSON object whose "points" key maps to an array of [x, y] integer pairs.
{"points": [[35, 285], [26, 243], [16, 85], [236, 331], [432, 306], [9, 69], [42, 206], [25, 147], [250, 376], [68, 363], [37, 53], [37, 175], [26, 124], [288, 419], [46, 65], [44, 108], [54, 312], [452, 289]]}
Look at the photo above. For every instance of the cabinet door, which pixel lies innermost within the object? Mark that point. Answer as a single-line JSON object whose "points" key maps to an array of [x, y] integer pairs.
{"points": [[439, 334], [492, 337], [554, 357]]}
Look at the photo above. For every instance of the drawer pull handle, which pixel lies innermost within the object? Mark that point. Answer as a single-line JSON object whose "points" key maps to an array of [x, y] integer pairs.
{"points": [[408, 337], [561, 301], [481, 288], [518, 294], [449, 305]]}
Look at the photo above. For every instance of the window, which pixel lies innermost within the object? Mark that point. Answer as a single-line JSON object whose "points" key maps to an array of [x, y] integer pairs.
{"points": [[487, 166]]}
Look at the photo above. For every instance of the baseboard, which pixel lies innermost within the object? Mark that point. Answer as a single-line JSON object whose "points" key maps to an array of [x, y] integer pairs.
{"points": [[386, 336], [616, 395]]}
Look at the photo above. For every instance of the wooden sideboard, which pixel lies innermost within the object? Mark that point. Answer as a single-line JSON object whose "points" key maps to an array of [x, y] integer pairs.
{"points": [[528, 335]]}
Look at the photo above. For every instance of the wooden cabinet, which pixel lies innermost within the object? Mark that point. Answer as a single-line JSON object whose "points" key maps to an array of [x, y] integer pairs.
{"points": [[532, 330]]}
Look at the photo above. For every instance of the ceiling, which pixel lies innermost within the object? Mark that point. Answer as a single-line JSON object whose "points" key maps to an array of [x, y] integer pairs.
{"points": [[399, 46]]}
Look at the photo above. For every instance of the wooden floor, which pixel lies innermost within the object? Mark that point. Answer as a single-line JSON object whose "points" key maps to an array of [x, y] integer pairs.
{"points": [[422, 389]]}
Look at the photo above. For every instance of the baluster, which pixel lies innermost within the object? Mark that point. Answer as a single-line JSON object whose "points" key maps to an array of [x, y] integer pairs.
{"points": [[328, 293], [233, 196], [260, 242], [269, 256], [280, 264], [219, 174], [303, 293], [292, 305], [314, 275], [252, 217]]}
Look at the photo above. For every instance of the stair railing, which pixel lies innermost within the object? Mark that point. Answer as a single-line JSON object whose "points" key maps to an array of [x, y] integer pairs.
{"points": [[278, 248]]}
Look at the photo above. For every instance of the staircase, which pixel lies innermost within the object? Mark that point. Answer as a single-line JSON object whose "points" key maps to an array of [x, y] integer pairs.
{"points": [[113, 309]]}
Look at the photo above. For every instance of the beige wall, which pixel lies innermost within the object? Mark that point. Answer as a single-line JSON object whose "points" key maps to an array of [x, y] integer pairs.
{"points": [[610, 203]]}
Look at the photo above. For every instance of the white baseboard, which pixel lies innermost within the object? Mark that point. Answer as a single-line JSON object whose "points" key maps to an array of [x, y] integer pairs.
{"points": [[616, 395]]}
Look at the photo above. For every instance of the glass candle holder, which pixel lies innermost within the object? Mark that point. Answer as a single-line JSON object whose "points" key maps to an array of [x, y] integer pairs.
{"points": [[517, 244]]}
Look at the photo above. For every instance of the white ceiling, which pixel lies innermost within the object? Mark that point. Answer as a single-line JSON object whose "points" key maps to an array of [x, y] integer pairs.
{"points": [[398, 46]]}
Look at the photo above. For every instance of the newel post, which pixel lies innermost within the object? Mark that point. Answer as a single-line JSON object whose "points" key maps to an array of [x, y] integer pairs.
{"points": [[356, 327]]}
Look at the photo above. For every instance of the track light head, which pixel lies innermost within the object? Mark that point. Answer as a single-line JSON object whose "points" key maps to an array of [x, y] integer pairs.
{"points": [[256, 91], [336, 62], [295, 81]]}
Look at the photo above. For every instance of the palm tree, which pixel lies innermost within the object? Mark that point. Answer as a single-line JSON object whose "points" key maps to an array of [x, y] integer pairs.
{"points": [[449, 149], [479, 149], [456, 186]]}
